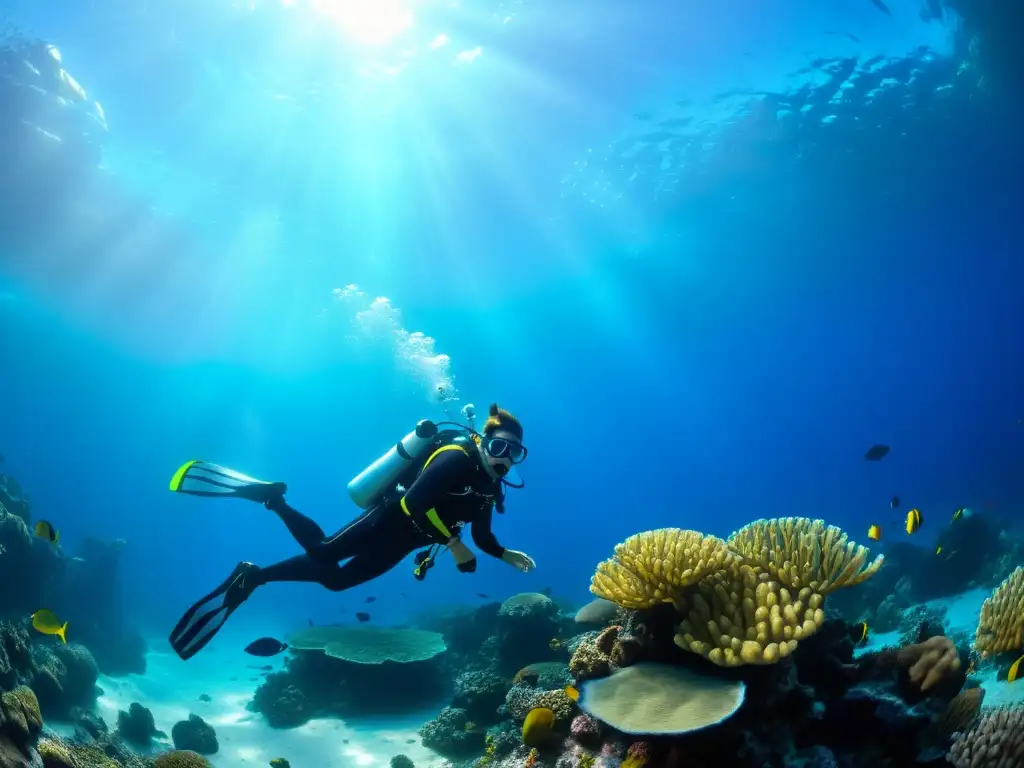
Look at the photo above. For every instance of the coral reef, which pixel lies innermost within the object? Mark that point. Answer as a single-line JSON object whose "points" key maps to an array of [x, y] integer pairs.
{"points": [[401, 761], [995, 741], [345, 670], [653, 698], [195, 735], [1001, 624], [448, 735], [181, 759], [137, 725]]}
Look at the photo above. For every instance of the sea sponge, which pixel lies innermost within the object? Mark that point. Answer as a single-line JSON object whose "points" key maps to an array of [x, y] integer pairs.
{"points": [[661, 699], [995, 741], [370, 645], [1001, 623], [930, 662], [538, 727], [800, 552], [655, 567], [740, 616], [181, 758]]}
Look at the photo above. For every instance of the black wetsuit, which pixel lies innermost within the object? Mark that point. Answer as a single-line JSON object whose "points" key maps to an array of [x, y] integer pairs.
{"points": [[452, 491]]}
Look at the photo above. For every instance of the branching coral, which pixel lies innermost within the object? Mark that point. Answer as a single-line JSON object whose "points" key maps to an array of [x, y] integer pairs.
{"points": [[655, 567], [995, 741], [1001, 623], [741, 617], [930, 662], [800, 552]]}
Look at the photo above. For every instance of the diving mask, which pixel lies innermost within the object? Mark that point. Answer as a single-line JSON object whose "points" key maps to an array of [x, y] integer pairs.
{"points": [[503, 448]]}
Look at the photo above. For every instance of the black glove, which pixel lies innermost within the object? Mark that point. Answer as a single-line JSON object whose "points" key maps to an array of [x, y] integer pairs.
{"points": [[468, 567]]}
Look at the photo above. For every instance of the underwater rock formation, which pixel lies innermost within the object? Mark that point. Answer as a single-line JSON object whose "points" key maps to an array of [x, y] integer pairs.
{"points": [[137, 725], [526, 625], [448, 734], [20, 726], [195, 735], [343, 670]]}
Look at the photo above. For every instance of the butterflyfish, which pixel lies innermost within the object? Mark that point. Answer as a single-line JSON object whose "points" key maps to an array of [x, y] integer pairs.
{"points": [[45, 530], [914, 521]]}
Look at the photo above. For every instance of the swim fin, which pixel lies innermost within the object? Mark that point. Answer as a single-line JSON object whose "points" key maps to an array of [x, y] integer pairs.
{"points": [[192, 633], [201, 478]]}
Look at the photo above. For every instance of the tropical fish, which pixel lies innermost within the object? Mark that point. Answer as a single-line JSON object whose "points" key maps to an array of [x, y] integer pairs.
{"points": [[938, 550], [859, 633], [363, 616], [265, 646], [370, 599], [962, 513], [876, 452], [1014, 671], [572, 693], [875, 532], [482, 595], [46, 622], [554, 643], [45, 530], [280, 762], [914, 521], [894, 502]]}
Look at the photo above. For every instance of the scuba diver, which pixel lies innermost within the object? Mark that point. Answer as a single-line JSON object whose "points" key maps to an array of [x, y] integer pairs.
{"points": [[420, 494]]}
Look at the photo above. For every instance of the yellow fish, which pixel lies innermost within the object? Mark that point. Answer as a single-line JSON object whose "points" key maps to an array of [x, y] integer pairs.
{"points": [[1014, 670], [914, 520], [47, 622], [938, 550], [572, 693], [859, 632], [45, 530], [875, 532], [554, 643]]}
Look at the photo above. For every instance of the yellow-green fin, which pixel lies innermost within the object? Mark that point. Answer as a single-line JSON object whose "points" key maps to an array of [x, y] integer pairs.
{"points": [[179, 476]]}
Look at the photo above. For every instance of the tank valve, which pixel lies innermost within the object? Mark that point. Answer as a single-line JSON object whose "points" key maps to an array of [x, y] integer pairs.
{"points": [[426, 428]]}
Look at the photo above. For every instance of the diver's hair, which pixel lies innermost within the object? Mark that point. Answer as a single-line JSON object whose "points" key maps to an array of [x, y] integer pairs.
{"points": [[499, 418]]}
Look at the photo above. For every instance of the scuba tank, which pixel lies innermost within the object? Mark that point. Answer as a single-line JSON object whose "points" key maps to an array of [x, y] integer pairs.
{"points": [[366, 488]]}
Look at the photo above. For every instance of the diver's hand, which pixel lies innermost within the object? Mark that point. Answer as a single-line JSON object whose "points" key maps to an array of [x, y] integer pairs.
{"points": [[465, 560], [519, 560]]}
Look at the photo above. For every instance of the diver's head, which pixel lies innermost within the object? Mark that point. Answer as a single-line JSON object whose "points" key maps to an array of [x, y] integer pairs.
{"points": [[502, 441]]}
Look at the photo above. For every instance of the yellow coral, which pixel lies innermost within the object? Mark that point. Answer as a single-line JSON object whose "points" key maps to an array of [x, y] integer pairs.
{"points": [[741, 616], [656, 567], [1001, 623], [181, 758], [800, 552]]}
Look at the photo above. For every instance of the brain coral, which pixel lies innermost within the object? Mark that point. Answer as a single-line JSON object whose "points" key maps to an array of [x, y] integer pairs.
{"points": [[370, 645], [181, 758], [660, 699], [655, 567], [1001, 623]]}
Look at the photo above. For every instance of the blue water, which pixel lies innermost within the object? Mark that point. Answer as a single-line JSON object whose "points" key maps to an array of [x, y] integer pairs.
{"points": [[705, 273]]}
